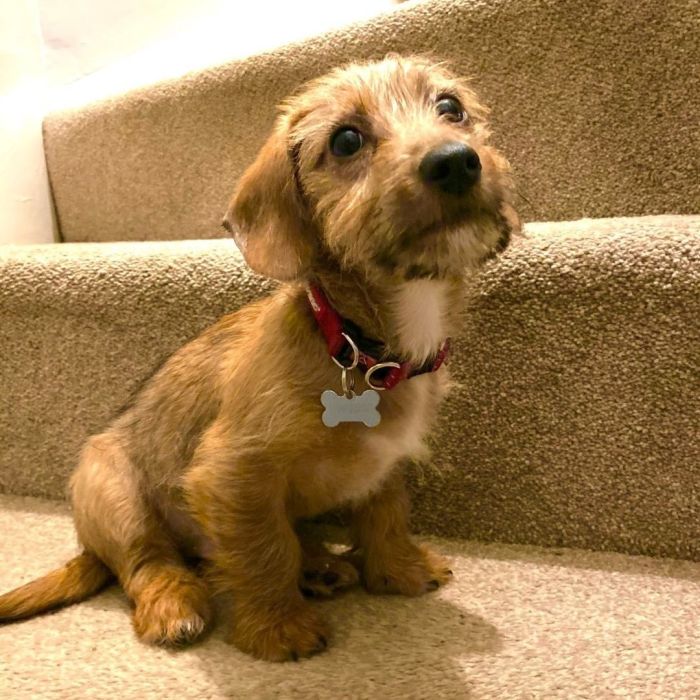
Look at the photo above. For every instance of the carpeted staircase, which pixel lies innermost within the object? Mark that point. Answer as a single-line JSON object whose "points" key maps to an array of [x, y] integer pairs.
{"points": [[570, 445]]}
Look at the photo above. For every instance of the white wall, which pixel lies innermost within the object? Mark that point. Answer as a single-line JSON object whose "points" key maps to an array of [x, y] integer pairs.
{"points": [[25, 202], [126, 44]]}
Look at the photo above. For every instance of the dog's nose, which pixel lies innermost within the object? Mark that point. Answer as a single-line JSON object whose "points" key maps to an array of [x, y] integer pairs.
{"points": [[227, 224], [453, 167]]}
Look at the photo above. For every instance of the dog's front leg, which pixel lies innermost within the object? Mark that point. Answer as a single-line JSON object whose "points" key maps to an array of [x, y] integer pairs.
{"points": [[241, 506], [391, 561]]}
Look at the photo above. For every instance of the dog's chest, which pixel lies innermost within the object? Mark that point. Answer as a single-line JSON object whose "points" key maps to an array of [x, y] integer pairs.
{"points": [[351, 469], [355, 460]]}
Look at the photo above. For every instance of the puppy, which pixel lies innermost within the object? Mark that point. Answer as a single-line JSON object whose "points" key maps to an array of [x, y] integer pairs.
{"points": [[374, 198]]}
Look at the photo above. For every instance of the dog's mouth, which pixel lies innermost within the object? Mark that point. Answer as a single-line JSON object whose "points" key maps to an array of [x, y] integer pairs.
{"points": [[453, 221], [447, 224]]}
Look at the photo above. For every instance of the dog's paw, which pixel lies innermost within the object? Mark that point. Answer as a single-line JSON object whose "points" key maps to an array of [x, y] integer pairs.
{"points": [[176, 618], [325, 574], [299, 633], [410, 570]]}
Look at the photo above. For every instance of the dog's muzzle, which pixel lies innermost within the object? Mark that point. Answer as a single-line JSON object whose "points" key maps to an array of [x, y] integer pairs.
{"points": [[452, 167]]}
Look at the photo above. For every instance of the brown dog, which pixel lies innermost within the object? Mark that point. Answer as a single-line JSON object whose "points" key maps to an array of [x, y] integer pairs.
{"points": [[377, 187]]}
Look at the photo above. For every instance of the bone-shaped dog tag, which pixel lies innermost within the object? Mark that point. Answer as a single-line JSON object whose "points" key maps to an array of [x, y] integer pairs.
{"points": [[353, 409]]}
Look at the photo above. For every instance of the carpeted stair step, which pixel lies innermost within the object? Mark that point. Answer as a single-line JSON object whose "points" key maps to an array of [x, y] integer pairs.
{"points": [[595, 104], [574, 417], [516, 622]]}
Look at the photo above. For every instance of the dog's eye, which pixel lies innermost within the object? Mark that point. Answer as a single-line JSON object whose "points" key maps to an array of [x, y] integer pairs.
{"points": [[346, 141], [450, 108]]}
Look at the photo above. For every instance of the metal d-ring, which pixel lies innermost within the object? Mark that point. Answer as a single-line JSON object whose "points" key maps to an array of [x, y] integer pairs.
{"points": [[348, 381], [355, 354], [373, 369]]}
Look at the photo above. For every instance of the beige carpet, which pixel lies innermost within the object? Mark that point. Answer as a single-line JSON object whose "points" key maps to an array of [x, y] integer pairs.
{"points": [[574, 422], [518, 622], [595, 103]]}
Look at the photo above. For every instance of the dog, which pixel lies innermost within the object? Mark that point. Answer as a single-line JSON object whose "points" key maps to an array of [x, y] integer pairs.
{"points": [[375, 198]]}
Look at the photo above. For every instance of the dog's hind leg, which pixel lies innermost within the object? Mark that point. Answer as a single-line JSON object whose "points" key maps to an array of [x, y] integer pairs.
{"points": [[115, 521]]}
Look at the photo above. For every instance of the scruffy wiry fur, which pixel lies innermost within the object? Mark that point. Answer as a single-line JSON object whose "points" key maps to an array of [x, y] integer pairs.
{"points": [[223, 452]]}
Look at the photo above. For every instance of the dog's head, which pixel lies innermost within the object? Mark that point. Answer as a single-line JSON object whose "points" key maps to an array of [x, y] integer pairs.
{"points": [[386, 168]]}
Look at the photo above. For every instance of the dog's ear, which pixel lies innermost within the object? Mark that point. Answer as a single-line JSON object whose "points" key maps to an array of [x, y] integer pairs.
{"points": [[267, 217]]}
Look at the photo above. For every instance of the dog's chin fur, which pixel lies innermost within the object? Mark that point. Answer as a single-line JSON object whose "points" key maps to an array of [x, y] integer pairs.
{"points": [[224, 450]]}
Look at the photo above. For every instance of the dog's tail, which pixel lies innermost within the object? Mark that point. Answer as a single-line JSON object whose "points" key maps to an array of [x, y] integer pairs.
{"points": [[80, 578]]}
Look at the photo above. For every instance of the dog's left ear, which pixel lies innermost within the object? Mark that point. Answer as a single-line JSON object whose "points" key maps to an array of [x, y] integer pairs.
{"points": [[266, 217]]}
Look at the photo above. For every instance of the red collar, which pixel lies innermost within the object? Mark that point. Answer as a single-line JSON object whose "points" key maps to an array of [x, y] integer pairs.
{"points": [[371, 352]]}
